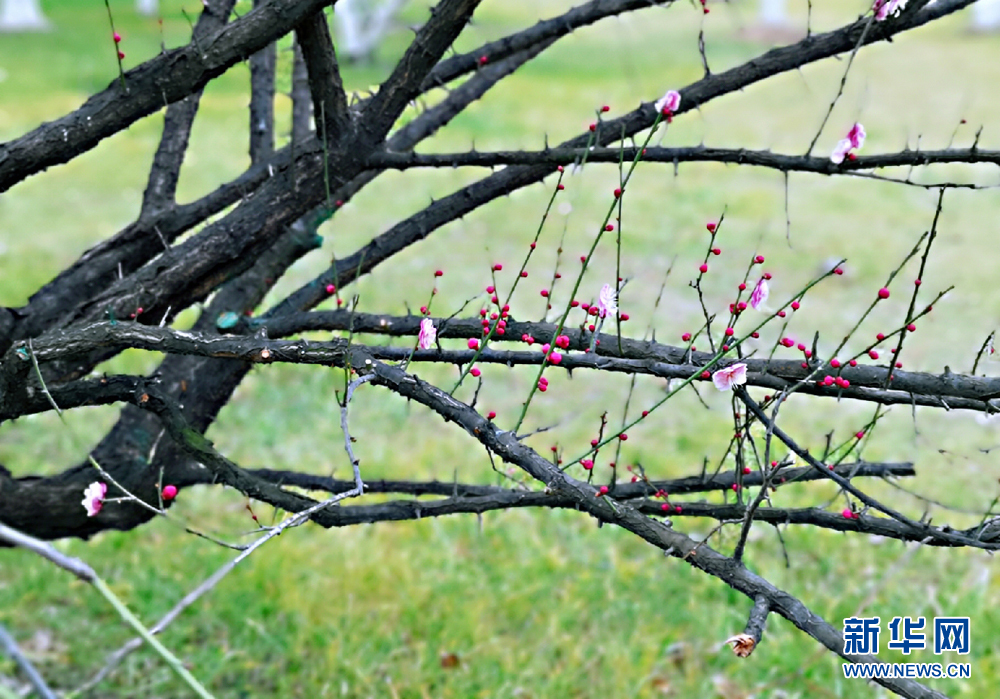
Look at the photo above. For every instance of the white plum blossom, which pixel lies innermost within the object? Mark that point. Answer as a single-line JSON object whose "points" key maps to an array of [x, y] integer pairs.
{"points": [[93, 497], [607, 301], [730, 376], [758, 297], [428, 333], [669, 103], [842, 148]]}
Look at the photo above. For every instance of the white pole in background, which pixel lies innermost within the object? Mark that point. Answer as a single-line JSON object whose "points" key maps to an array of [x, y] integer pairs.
{"points": [[986, 15], [22, 16]]}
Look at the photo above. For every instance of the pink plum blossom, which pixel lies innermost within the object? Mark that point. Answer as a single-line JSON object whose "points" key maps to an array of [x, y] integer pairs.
{"points": [[758, 297], [884, 8], [425, 340], [93, 497], [730, 376], [607, 301], [855, 139], [856, 135], [669, 103]]}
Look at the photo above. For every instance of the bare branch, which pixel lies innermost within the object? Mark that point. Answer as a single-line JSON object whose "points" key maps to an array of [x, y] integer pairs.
{"points": [[188, 69], [165, 171], [700, 555], [448, 19], [262, 68], [736, 156], [12, 649], [325, 85]]}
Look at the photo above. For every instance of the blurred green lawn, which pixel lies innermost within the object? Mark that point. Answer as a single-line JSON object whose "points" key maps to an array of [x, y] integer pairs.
{"points": [[534, 604]]}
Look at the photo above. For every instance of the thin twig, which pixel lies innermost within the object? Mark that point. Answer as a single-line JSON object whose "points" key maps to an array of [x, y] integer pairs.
{"points": [[36, 680]]}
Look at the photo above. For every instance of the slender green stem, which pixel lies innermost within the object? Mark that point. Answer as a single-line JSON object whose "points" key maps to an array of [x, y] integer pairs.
{"points": [[695, 374], [583, 270], [121, 70], [172, 660]]}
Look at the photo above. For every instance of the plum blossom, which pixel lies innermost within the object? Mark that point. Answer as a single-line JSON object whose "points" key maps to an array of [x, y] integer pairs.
{"points": [[425, 340], [669, 103], [856, 135], [607, 301], [730, 376], [758, 297], [855, 139], [884, 8], [93, 497]]}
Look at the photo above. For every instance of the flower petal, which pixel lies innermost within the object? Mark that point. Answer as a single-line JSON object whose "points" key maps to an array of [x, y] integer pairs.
{"points": [[607, 301], [671, 101], [93, 497], [739, 374], [428, 333], [730, 376], [857, 135], [840, 151], [758, 297], [722, 380]]}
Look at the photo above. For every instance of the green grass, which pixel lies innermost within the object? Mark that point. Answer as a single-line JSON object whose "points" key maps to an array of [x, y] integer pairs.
{"points": [[535, 604]]}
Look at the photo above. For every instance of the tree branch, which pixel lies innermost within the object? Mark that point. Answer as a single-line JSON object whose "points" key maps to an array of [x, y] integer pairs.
{"points": [[167, 78], [262, 68], [162, 184], [325, 85], [736, 156], [448, 19], [700, 555]]}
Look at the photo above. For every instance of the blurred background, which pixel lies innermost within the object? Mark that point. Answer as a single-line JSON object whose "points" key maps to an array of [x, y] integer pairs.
{"points": [[537, 604]]}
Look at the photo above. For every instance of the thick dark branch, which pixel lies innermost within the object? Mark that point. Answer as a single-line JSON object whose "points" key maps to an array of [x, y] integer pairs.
{"points": [[505, 499], [947, 390], [137, 452], [169, 77], [139, 242], [544, 32], [950, 391], [403, 235], [506, 446], [622, 491], [166, 168], [861, 524], [325, 85], [126, 251], [467, 199], [78, 341], [202, 385], [737, 156], [448, 19], [301, 99], [262, 70], [425, 125], [922, 529], [189, 271]]}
